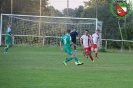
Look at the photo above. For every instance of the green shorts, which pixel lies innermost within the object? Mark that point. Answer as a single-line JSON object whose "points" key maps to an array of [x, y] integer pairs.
{"points": [[9, 41], [69, 51]]}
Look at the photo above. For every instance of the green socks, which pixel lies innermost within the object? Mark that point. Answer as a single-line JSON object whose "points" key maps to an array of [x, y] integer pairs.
{"points": [[6, 49], [76, 58], [70, 58]]}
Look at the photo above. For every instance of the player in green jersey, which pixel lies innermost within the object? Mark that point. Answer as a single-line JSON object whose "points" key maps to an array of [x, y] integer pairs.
{"points": [[66, 42], [8, 38]]}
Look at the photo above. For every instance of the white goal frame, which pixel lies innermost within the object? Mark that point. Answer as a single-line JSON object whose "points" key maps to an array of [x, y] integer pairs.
{"points": [[96, 22]]}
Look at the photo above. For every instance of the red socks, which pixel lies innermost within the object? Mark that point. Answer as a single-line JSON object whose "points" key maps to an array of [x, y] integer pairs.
{"points": [[96, 54], [91, 57]]}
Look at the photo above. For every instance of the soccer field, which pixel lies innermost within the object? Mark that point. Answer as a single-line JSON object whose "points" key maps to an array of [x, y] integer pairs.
{"points": [[41, 67]]}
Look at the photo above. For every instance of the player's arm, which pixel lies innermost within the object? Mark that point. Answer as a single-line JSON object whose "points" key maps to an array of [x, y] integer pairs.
{"points": [[99, 38], [100, 41], [61, 44], [91, 41], [10, 34], [71, 33], [73, 44], [77, 33], [81, 42]]}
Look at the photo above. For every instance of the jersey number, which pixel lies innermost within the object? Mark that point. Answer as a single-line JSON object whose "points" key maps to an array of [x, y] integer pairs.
{"points": [[65, 41]]}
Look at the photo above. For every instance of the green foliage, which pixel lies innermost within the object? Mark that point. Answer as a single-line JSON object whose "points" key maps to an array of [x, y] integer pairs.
{"points": [[78, 11], [127, 32], [92, 3], [102, 49], [110, 23], [55, 12], [73, 12], [110, 28], [70, 12], [5, 6], [24, 7]]}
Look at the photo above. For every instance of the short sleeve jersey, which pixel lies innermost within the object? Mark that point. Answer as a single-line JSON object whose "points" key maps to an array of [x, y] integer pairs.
{"points": [[66, 40], [8, 32], [86, 40], [95, 38]]}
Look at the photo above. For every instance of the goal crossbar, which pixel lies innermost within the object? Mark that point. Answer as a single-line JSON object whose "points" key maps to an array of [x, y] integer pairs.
{"points": [[50, 17]]}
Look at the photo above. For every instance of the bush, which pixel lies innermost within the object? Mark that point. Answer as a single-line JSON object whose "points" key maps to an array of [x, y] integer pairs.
{"points": [[102, 49]]}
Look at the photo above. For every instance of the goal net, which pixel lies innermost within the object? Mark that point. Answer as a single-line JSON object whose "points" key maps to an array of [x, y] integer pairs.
{"points": [[44, 30]]}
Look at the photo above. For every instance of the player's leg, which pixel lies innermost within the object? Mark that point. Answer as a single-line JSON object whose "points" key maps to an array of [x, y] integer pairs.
{"points": [[96, 52], [70, 52], [74, 41], [76, 59], [70, 58], [72, 55], [92, 48], [86, 52], [83, 51], [6, 48], [89, 52], [9, 42]]}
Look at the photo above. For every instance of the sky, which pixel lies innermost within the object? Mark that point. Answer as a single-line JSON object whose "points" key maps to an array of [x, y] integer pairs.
{"points": [[61, 4]]}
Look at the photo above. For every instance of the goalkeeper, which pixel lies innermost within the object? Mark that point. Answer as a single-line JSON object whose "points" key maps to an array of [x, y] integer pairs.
{"points": [[8, 38]]}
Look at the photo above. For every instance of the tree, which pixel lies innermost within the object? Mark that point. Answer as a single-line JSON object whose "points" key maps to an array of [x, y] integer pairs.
{"points": [[92, 3], [110, 23], [54, 12], [127, 32], [5, 6], [24, 7], [73, 12], [110, 29], [70, 12], [78, 11]]}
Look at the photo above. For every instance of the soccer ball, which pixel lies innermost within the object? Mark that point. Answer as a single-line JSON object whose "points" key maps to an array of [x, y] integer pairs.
{"points": [[81, 63], [76, 63]]}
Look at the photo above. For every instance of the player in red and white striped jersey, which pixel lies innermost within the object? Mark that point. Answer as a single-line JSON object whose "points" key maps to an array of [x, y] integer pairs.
{"points": [[94, 45], [85, 42]]}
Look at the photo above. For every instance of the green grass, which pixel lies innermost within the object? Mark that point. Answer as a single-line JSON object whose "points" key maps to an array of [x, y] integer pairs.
{"points": [[41, 67]]}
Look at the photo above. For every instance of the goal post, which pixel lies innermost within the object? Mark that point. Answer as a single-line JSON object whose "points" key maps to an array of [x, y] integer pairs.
{"points": [[44, 30], [1, 30]]}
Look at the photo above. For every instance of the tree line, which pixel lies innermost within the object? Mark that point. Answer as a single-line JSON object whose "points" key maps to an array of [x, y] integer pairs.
{"points": [[110, 28]]}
